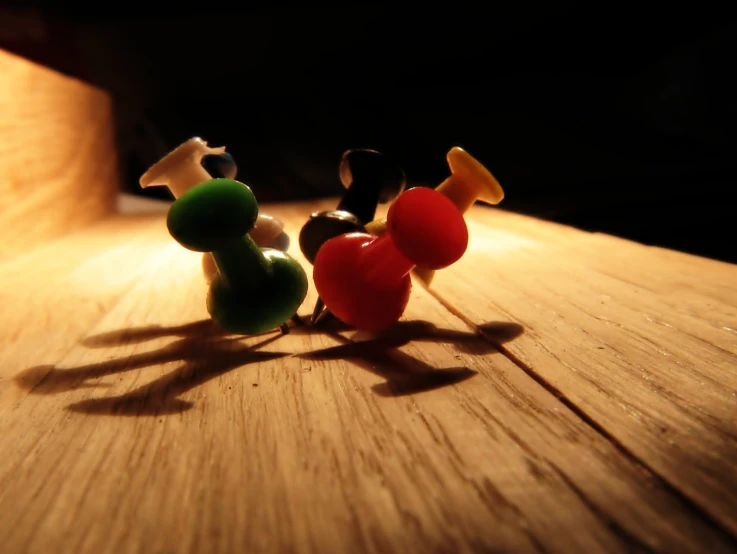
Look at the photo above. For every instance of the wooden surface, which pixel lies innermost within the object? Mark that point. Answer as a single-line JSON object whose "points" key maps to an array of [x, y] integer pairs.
{"points": [[555, 391], [58, 165]]}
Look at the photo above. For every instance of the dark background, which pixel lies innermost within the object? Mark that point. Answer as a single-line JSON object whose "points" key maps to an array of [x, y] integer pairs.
{"points": [[613, 118]]}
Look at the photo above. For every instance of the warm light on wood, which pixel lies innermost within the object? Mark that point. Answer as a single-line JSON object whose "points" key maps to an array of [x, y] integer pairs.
{"points": [[607, 368], [58, 162]]}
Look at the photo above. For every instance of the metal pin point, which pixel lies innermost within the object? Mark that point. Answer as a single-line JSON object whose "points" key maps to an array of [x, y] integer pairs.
{"points": [[318, 311]]}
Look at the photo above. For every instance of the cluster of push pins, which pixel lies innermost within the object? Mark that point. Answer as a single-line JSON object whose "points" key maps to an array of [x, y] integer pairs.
{"points": [[361, 265]]}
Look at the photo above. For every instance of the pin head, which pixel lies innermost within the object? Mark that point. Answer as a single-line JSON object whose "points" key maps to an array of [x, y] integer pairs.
{"points": [[427, 228], [281, 242], [372, 167], [181, 168], [220, 165], [212, 213], [465, 166], [323, 226], [266, 230], [342, 283]]}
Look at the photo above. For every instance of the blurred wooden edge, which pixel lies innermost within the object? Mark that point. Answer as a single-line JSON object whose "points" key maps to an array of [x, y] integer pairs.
{"points": [[58, 158]]}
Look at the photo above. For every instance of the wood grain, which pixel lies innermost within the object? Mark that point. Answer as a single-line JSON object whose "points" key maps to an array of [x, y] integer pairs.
{"points": [[157, 433], [58, 161], [53, 295], [639, 341]]}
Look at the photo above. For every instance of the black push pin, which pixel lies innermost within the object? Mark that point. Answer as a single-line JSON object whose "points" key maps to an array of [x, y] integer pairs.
{"points": [[370, 179]]}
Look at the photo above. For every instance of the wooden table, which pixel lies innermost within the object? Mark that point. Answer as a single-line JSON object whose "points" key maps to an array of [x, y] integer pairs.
{"points": [[555, 391]]}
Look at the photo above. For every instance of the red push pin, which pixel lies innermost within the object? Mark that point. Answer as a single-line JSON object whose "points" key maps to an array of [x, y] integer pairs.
{"points": [[364, 280]]}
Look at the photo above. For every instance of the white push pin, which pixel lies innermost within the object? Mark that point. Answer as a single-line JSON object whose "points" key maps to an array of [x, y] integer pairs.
{"points": [[182, 169]]}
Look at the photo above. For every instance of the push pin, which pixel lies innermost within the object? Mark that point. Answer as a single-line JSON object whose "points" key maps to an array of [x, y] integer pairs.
{"points": [[220, 165], [370, 179], [262, 234], [469, 181], [255, 289], [267, 227], [364, 280], [186, 166]]}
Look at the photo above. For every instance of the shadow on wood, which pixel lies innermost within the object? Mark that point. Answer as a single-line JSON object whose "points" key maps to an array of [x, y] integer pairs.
{"points": [[485, 341], [205, 359], [405, 374], [203, 328], [207, 354]]}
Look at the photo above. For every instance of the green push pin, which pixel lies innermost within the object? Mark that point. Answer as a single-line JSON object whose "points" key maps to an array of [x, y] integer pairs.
{"points": [[255, 289]]}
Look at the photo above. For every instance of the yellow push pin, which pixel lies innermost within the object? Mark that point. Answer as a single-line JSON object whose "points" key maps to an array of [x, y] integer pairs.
{"points": [[469, 181]]}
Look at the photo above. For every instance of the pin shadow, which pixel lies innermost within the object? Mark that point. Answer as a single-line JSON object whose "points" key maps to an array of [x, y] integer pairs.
{"points": [[495, 332], [204, 328], [204, 359], [406, 374], [489, 336], [207, 353]]}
